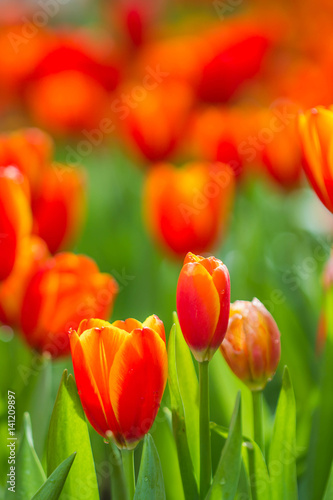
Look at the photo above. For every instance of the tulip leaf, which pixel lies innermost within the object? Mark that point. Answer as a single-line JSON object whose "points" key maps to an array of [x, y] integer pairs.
{"points": [[68, 433], [282, 453], [329, 488], [29, 474], [179, 421], [227, 474], [150, 484], [320, 454], [54, 484]]}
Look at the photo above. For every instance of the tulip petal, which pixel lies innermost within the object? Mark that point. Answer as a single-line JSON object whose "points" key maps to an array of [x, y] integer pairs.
{"points": [[128, 325], [198, 306], [137, 381], [154, 323]]}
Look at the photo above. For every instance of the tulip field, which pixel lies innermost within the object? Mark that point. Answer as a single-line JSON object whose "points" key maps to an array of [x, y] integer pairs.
{"points": [[166, 264]]}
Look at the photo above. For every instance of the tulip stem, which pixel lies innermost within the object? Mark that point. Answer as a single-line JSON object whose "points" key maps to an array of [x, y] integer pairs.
{"points": [[205, 446], [258, 427], [128, 462], [119, 489]]}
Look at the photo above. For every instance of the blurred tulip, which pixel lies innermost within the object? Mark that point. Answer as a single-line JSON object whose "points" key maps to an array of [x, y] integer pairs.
{"points": [[15, 217], [188, 208], [315, 127], [121, 372], [166, 105], [29, 150], [64, 290], [31, 253], [215, 135], [203, 302], [59, 206], [251, 346]]}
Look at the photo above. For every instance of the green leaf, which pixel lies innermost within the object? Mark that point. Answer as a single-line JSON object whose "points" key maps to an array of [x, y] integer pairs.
{"points": [[54, 484], [282, 453], [329, 488], [150, 484], [226, 477], [68, 433], [179, 421], [320, 454], [28, 470]]}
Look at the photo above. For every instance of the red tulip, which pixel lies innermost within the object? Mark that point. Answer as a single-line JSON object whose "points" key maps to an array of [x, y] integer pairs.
{"points": [[62, 292], [15, 217], [252, 344], [203, 302], [59, 206], [121, 372], [187, 208]]}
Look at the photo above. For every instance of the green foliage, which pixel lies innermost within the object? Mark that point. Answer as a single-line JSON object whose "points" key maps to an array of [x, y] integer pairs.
{"points": [[150, 484]]}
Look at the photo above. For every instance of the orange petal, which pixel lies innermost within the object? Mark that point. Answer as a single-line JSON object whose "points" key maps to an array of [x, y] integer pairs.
{"points": [[154, 323], [137, 381], [128, 325]]}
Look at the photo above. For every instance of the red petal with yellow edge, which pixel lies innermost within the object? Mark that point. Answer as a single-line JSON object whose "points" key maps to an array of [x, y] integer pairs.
{"points": [[198, 306], [137, 381], [100, 347], [221, 281], [88, 391], [128, 325], [154, 323]]}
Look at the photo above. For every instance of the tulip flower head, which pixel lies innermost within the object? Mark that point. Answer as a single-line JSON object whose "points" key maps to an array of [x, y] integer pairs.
{"points": [[121, 372], [316, 126], [203, 302], [252, 344], [62, 292]]}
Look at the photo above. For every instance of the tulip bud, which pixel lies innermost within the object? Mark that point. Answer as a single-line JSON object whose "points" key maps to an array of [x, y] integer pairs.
{"points": [[59, 295], [203, 302], [251, 346], [121, 373]]}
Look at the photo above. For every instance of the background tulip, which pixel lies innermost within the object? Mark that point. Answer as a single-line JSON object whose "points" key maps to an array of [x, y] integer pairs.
{"points": [[121, 372], [15, 217], [64, 290], [196, 214], [315, 128], [203, 302], [251, 346]]}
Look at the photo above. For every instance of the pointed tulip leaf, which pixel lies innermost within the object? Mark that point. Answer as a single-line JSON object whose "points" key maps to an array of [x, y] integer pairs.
{"points": [[282, 453], [226, 478], [68, 433], [178, 418], [150, 485], [54, 484], [29, 474]]}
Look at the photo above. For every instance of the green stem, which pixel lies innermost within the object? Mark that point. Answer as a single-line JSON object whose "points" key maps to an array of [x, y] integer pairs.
{"points": [[205, 447], [258, 426], [128, 462], [119, 489]]}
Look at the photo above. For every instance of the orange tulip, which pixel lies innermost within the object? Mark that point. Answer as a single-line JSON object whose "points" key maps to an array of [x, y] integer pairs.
{"points": [[315, 128], [32, 251], [187, 208], [58, 207], [121, 372], [166, 105], [64, 290], [252, 346], [15, 217], [203, 302]]}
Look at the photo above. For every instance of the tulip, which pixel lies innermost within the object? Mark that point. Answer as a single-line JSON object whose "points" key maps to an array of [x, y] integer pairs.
{"points": [[32, 252], [62, 292], [166, 105], [121, 372], [315, 127], [251, 346], [15, 217], [187, 209], [203, 302], [58, 208]]}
